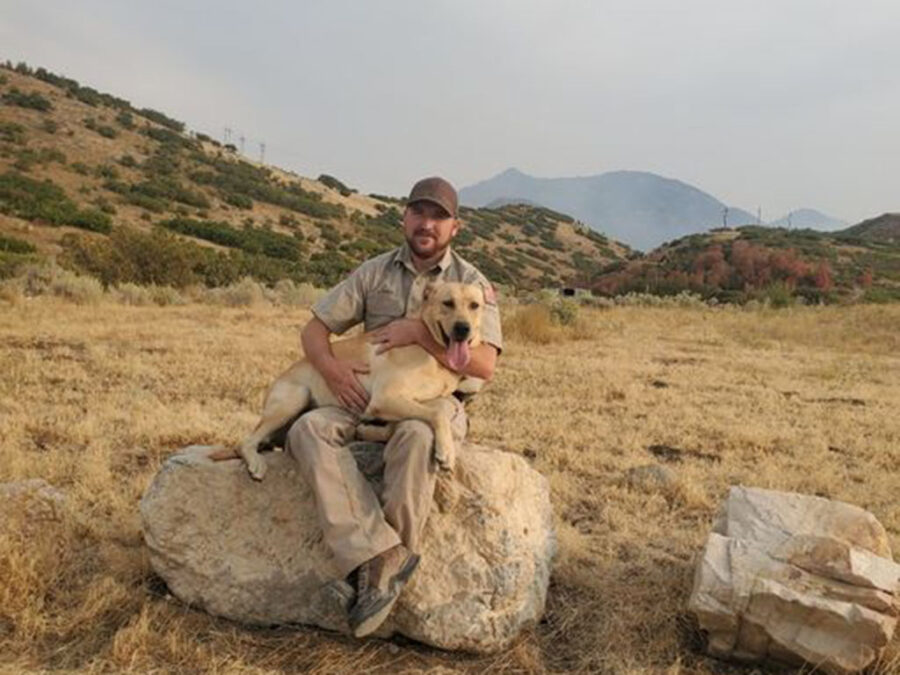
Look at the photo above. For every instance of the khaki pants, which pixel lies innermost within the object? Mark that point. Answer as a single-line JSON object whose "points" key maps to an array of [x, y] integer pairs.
{"points": [[357, 526]]}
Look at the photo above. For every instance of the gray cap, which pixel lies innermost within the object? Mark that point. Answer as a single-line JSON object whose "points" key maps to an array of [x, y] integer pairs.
{"points": [[435, 190]]}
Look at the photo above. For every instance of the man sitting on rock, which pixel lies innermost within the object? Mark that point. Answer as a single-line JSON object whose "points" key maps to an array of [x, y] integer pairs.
{"points": [[376, 543]]}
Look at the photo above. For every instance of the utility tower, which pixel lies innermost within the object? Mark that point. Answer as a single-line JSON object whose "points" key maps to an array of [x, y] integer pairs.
{"points": [[262, 153], [242, 139], [226, 139]]}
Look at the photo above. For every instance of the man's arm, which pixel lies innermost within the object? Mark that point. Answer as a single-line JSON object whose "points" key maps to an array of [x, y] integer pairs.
{"points": [[340, 376], [401, 332]]}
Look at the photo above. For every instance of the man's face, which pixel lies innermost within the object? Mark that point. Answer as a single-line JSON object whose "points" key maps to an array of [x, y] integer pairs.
{"points": [[428, 228]]}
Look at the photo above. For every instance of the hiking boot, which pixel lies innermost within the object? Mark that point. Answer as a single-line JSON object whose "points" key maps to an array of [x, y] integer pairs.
{"points": [[380, 582]]}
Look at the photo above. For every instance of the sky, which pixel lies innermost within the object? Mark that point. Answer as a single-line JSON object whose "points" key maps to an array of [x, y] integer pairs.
{"points": [[769, 104]]}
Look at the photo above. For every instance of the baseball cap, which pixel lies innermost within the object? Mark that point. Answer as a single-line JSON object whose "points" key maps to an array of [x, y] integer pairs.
{"points": [[436, 190]]}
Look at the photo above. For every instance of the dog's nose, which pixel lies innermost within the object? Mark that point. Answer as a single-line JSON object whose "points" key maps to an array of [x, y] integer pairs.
{"points": [[461, 331]]}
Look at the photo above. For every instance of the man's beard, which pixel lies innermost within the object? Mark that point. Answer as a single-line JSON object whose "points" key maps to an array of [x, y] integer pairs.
{"points": [[434, 251]]}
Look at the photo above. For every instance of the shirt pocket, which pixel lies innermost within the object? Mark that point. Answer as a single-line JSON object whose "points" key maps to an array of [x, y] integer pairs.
{"points": [[383, 306]]}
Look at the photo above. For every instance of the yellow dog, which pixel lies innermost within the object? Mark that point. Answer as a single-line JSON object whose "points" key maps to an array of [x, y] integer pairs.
{"points": [[402, 383]]}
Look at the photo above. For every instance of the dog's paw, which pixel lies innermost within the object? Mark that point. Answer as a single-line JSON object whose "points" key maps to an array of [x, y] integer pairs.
{"points": [[445, 456], [256, 464]]}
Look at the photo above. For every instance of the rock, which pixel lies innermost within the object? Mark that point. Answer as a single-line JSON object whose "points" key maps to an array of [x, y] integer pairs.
{"points": [[33, 499], [796, 579], [253, 552]]}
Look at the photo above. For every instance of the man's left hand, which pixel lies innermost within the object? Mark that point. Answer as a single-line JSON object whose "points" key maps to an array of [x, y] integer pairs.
{"points": [[398, 333]]}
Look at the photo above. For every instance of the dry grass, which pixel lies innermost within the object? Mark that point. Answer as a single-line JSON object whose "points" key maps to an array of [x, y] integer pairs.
{"points": [[94, 397]]}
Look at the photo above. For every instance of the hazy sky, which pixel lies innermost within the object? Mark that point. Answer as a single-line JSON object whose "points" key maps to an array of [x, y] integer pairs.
{"points": [[779, 104]]}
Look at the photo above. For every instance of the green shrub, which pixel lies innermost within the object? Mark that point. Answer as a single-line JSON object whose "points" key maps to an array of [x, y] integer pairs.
{"points": [[160, 118], [12, 132], [335, 184], [125, 119], [564, 312], [50, 126], [43, 201], [128, 161], [251, 240], [26, 158], [103, 129], [242, 178], [81, 168], [33, 100], [14, 245], [238, 200]]}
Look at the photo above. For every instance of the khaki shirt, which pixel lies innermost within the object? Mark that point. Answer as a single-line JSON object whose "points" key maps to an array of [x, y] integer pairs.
{"points": [[388, 287]]}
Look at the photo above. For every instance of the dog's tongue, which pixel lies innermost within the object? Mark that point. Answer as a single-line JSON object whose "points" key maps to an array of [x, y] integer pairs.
{"points": [[458, 354]]}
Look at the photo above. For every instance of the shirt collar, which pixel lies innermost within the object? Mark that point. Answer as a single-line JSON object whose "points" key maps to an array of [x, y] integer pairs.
{"points": [[404, 257]]}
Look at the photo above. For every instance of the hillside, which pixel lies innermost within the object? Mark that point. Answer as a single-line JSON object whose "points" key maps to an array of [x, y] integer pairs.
{"points": [[810, 219], [763, 262], [884, 228], [636, 207], [128, 195]]}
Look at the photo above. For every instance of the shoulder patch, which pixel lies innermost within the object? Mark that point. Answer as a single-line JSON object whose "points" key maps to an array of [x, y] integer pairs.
{"points": [[490, 295]]}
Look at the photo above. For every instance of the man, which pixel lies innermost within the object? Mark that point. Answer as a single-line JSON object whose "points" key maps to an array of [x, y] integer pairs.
{"points": [[377, 543]]}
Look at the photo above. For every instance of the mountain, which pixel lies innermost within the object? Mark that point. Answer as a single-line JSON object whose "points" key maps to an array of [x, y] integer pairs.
{"points": [[809, 219], [128, 195], [885, 228], [640, 208]]}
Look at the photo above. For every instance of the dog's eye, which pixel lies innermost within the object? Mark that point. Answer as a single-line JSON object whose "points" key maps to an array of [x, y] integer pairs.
{"points": [[449, 304], [473, 305]]}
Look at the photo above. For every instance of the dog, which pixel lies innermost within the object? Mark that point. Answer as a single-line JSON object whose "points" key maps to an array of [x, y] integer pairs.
{"points": [[403, 383]]}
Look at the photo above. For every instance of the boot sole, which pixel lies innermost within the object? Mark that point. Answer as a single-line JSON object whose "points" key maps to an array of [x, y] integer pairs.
{"points": [[375, 615]]}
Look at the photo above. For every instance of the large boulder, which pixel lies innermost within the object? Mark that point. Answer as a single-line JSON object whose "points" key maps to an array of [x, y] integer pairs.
{"points": [[796, 579], [253, 552]]}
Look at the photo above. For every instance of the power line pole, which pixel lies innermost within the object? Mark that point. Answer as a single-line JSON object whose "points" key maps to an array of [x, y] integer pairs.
{"points": [[226, 139], [242, 143], [262, 153], [725, 217]]}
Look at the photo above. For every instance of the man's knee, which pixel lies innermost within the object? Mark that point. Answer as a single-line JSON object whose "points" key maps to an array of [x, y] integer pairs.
{"points": [[415, 435], [319, 424]]}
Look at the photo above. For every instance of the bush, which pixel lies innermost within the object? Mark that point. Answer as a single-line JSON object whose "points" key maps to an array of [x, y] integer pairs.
{"points": [[50, 126], [128, 161], [12, 132], [335, 184], [13, 245], [531, 323], [132, 256], [564, 312], [297, 295], [34, 100], [245, 293], [160, 118], [43, 201], [125, 119], [249, 239], [103, 129], [54, 280]]}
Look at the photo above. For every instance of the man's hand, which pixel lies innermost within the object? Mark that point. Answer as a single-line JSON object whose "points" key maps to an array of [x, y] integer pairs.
{"points": [[340, 376], [398, 333]]}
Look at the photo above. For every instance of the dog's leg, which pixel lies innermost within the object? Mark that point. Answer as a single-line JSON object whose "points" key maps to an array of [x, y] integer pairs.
{"points": [[435, 413], [283, 402], [375, 433]]}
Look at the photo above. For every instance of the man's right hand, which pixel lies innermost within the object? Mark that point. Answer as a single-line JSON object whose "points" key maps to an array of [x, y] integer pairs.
{"points": [[340, 376]]}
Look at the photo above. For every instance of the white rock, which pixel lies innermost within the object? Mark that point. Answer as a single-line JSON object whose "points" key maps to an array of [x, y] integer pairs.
{"points": [[253, 552], [796, 579], [33, 499]]}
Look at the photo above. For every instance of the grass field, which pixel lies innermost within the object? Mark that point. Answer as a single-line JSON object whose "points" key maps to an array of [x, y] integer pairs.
{"points": [[93, 398]]}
